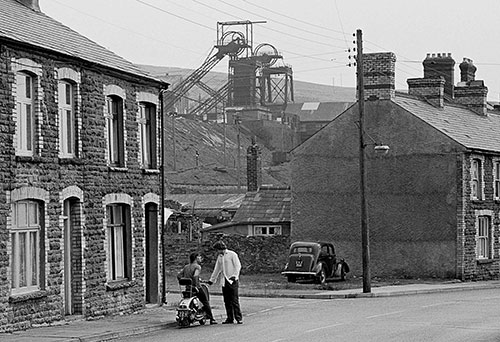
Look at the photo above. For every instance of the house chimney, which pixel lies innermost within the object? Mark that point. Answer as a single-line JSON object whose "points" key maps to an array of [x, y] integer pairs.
{"points": [[467, 70], [33, 4], [254, 167], [473, 95], [379, 75], [441, 64], [431, 89]]}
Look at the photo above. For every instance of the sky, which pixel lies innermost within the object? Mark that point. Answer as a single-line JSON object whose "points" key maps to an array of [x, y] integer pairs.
{"points": [[314, 36]]}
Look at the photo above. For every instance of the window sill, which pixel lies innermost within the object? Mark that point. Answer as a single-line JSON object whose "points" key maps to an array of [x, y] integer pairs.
{"points": [[150, 171], [23, 297], [484, 261], [117, 169], [70, 161], [29, 159], [119, 284]]}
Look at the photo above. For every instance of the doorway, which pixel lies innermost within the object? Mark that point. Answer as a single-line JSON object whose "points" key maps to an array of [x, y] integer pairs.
{"points": [[73, 300], [151, 271]]}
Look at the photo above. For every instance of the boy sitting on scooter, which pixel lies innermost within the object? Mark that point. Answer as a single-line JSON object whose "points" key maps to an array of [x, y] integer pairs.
{"points": [[192, 271]]}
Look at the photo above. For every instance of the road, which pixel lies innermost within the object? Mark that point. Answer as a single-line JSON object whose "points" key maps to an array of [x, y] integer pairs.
{"points": [[451, 316]]}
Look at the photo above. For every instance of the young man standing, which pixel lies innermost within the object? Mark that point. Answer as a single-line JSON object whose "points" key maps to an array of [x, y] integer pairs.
{"points": [[229, 265]]}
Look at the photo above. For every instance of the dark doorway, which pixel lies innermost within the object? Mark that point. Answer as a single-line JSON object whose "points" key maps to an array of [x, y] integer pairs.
{"points": [[151, 253]]}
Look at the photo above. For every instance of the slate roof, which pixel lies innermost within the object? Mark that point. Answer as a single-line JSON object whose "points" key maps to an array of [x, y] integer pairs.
{"points": [[473, 131], [208, 201], [317, 111], [269, 204], [22, 24]]}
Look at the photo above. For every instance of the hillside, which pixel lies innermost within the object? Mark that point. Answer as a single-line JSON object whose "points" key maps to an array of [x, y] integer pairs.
{"points": [[303, 91], [216, 163]]}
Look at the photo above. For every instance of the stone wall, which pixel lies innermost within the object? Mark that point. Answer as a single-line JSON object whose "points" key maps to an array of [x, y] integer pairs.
{"points": [[89, 173], [257, 254]]}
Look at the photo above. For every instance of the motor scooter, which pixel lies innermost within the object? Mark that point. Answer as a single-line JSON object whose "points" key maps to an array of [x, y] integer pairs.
{"points": [[190, 309]]}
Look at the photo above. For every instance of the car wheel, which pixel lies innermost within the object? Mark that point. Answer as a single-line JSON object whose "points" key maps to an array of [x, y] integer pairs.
{"points": [[342, 273], [322, 274], [291, 279]]}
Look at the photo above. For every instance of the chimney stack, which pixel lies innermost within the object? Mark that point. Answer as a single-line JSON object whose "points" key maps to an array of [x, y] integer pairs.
{"points": [[432, 89], [441, 65], [33, 4], [467, 70], [379, 75], [473, 95], [254, 167]]}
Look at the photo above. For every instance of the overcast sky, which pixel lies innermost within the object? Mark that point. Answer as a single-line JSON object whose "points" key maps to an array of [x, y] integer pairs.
{"points": [[312, 36]]}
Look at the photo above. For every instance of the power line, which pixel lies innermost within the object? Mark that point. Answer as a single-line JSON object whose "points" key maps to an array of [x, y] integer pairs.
{"points": [[279, 22]]}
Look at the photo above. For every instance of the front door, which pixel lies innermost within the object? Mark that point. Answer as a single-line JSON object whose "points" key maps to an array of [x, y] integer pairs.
{"points": [[151, 253]]}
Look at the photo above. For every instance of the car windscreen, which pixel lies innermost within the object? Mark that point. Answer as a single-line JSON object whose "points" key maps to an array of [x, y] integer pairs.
{"points": [[302, 250]]}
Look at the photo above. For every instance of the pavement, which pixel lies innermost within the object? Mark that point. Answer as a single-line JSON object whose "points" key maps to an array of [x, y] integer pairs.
{"points": [[154, 317]]}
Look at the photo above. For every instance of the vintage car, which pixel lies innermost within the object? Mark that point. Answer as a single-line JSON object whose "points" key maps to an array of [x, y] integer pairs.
{"points": [[314, 260]]}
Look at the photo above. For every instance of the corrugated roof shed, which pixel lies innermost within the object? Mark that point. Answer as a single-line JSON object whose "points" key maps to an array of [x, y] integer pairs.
{"points": [[21, 24]]}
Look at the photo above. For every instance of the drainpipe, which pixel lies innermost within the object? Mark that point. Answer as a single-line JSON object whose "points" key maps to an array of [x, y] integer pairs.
{"points": [[162, 200]]}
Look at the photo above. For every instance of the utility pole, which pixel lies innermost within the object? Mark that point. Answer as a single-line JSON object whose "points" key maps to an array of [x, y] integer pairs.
{"points": [[173, 140], [365, 240], [238, 121]]}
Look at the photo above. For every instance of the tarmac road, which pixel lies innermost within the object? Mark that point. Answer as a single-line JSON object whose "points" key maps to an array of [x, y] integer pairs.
{"points": [[275, 313], [438, 317]]}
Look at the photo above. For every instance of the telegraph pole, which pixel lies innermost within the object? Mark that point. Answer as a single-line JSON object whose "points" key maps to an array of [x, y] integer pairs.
{"points": [[365, 240]]}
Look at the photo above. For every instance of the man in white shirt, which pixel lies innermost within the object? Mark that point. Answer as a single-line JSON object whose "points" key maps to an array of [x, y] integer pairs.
{"points": [[229, 265]]}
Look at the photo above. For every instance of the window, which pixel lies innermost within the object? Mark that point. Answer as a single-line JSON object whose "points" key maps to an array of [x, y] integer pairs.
{"points": [[476, 189], [267, 230], [118, 237], [496, 180], [25, 129], [66, 119], [484, 237], [114, 105], [147, 134], [25, 238]]}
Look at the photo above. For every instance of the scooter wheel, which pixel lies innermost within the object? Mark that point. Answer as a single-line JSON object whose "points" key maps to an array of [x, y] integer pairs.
{"points": [[184, 322], [203, 321]]}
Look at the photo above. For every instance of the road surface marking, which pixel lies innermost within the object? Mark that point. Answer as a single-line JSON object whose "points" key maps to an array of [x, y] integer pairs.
{"points": [[385, 314], [325, 327]]}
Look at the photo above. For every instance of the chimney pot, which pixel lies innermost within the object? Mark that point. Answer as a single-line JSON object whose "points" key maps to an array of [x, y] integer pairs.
{"points": [[442, 65]]}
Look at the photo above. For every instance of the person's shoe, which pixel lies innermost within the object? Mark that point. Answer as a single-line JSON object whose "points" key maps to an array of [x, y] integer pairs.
{"points": [[239, 322], [227, 322], [213, 321]]}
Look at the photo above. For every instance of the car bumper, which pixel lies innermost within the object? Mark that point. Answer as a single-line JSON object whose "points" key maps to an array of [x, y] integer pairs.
{"points": [[301, 274]]}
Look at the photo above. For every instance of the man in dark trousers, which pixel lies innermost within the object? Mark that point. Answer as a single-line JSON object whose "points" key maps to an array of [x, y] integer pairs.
{"points": [[192, 271], [228, 264]]}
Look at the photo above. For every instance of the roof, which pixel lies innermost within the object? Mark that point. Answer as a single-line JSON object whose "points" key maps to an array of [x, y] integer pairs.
{"points": [[21, 24], [269, 204], [208, 201], [317, 111], [473, 131]]}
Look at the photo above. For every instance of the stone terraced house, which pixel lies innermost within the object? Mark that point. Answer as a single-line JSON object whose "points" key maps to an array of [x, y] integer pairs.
{"points": [[79, 174], [433, 197]]}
